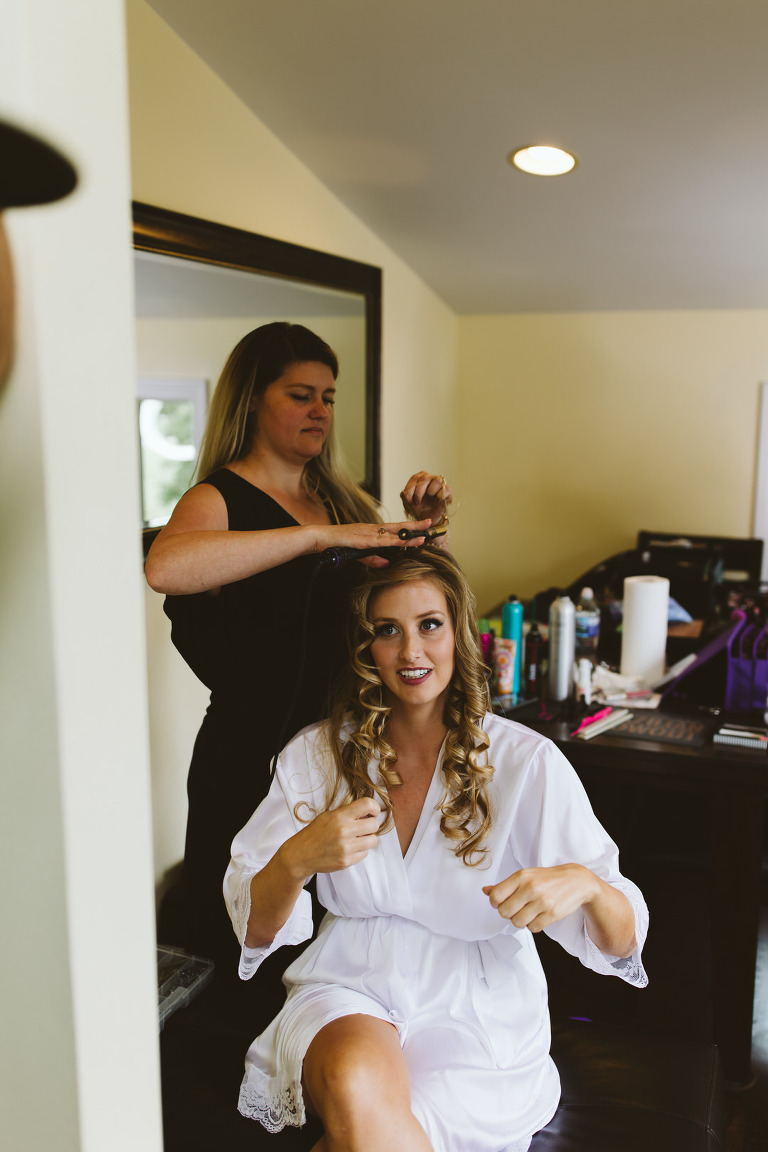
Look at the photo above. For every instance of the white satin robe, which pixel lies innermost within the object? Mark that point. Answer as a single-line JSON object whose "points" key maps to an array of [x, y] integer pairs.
{"points": [[413, 940]]}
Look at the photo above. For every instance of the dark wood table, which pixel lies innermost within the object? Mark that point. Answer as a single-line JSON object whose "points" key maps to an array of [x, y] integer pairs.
{"points": [[732, 784]]}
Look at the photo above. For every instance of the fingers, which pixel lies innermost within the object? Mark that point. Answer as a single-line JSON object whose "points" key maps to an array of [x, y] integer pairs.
{"points": [[503, 891], [344, 836], [516, 905], [374, 562], [426, 484], [390, 534], [368, 536], [536, 897], [426, 491], [365, 806]]}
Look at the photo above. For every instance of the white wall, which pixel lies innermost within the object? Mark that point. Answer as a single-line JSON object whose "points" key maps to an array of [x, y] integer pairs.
{"points": [[195, 148], [77, 983]]}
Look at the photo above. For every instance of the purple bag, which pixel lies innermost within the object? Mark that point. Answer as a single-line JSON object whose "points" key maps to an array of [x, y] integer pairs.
{"points": [[760, 670], [739, 680]]}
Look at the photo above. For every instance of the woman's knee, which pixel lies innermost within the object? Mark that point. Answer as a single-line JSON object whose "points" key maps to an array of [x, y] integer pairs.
{"points": [[352, 1065]]}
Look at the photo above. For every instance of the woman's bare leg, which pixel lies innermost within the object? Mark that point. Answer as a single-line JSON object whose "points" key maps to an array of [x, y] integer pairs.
{"points": [[356, 1080]]}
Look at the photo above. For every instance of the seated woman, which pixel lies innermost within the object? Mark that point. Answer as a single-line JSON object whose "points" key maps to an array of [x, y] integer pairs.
{"points": [[442, 837]]}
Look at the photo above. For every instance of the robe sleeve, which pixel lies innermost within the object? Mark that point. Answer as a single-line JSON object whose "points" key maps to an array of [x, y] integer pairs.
{"points": [[273, 822], [556, 825]]}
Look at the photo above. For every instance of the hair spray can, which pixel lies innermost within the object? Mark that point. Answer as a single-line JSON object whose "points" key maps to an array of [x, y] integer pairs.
{"points": [[534, 651], [562, 647], [512, 629]]}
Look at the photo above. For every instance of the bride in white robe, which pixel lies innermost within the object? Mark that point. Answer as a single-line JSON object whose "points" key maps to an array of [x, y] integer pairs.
{"points": [[418, 1017]]}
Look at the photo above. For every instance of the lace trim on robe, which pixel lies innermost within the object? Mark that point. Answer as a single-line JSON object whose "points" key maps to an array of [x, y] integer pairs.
{"points": [[297, 928], [275, 1102], [629, 968]]}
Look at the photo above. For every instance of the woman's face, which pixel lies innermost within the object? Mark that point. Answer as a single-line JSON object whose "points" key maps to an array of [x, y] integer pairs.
{"points": [[293, 413], [414, 644]]}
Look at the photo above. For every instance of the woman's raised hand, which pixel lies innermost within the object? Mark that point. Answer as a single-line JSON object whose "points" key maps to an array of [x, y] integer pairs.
{"points": [[426, 494], [334, 840]]}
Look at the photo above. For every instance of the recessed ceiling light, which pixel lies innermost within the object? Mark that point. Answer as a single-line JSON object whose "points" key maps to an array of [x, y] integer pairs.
{"points": [[541, 160]]}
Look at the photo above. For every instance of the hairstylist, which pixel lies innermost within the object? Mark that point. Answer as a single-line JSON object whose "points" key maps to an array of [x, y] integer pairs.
{"points": [[237, 560]]}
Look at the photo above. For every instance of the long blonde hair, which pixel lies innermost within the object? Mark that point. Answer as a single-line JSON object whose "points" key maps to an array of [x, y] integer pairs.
{"points": [[256, 361], [465, 808]]}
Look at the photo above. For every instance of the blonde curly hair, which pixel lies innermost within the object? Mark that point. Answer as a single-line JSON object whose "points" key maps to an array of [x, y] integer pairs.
{"points": [[356, 729]]}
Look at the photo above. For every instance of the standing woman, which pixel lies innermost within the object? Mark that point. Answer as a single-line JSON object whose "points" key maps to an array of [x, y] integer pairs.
{"points": [[237, 561]]}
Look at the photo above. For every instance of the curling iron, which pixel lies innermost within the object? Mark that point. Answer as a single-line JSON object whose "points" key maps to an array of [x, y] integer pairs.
{"points": [[337, 557]]}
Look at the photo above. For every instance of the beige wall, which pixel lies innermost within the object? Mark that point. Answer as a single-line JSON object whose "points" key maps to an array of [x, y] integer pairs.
{"points": [[576, 431], [195, 148], [563, 434]]}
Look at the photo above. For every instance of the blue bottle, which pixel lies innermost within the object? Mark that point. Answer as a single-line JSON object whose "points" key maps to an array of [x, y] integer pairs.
{"points": [[512, 629]]}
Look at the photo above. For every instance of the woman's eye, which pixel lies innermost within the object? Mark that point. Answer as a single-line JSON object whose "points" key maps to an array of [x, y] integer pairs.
{"points": [[298, 396], [386, 630], [329, 401], [431, 625]]}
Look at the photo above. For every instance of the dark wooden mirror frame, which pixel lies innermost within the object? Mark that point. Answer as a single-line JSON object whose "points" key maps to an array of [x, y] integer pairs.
{"points": [[170, 233]]}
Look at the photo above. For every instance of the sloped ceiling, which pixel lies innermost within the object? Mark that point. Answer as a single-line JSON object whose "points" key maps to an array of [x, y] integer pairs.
{"points": [[407, 111]]}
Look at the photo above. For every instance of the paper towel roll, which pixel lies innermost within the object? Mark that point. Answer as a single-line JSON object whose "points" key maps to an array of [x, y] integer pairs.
{"points": [[644, 627]]}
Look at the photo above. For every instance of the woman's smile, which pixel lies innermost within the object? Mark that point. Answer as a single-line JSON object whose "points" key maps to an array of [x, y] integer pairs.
{"points": [[414, 643]]}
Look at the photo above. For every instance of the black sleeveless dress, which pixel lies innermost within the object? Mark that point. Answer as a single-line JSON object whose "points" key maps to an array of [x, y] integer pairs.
{"points": [[245, 644]]}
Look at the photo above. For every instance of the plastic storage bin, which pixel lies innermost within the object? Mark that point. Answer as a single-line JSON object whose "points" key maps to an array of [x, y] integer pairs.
{"points": [[180, 977]]}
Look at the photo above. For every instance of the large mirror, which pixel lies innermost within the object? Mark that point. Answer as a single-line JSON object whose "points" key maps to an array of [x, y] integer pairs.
{"points": [[200, 286]]}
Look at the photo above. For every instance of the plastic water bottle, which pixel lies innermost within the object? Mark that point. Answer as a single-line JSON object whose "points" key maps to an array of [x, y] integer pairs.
{"points": [[561, 647], [587, 625]]}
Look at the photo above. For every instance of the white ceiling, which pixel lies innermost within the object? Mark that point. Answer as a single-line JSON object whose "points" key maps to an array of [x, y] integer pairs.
{"points": [[407, 110]]}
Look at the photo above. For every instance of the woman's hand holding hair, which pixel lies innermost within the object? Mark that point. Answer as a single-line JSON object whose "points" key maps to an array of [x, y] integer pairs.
{"points": [[534, 898], [427, 494], [331, 842]]}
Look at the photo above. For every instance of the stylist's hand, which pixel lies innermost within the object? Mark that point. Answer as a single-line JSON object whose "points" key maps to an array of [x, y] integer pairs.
{"points": [[334, 840], [365, 536], [426, 494], [534, 898]]}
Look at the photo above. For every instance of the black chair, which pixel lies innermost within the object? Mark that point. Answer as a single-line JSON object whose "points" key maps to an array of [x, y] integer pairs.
{"points": [[634, 1091]]}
